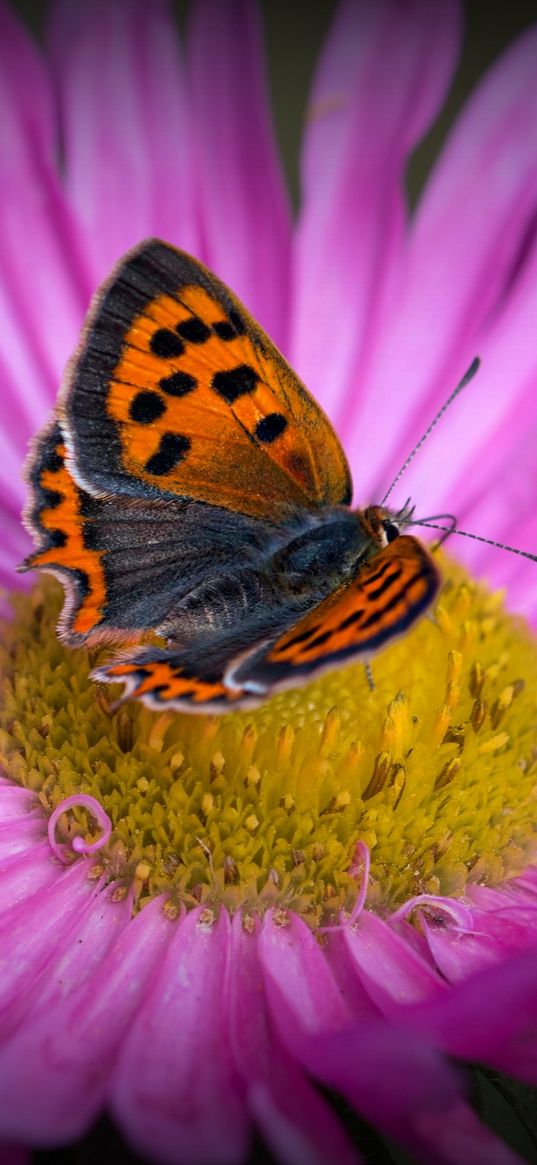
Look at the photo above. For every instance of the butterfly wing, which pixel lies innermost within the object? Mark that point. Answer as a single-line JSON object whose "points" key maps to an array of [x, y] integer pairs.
{"points": [[55, 518], [389, 593], [189, 398], [125, 562], [190, 681]]}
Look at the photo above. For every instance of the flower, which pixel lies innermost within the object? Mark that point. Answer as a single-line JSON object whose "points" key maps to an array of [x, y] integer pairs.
{"points": [[338, 887]]}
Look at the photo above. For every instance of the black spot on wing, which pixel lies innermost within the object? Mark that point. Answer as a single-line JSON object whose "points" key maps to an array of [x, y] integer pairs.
{"points": [[146, 407], [165, 343], [319, 640], [173, 448], [373, 578], [194, 330], [224, 330], [236, 382], [395, 601], [178, 384], [270, 427]]}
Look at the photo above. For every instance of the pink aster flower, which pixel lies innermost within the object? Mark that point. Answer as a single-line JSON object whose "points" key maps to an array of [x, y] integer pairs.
{"points": [[198, 988]]}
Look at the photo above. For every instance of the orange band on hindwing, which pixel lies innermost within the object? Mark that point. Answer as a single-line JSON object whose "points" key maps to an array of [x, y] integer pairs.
{"points": [[58, 515]]}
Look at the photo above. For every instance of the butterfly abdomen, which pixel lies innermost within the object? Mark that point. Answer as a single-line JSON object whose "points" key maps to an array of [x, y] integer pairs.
{"points": [[224, 601]]}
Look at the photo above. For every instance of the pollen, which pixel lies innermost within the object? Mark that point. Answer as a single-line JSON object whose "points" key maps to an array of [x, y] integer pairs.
{"points": [[435, 769]]}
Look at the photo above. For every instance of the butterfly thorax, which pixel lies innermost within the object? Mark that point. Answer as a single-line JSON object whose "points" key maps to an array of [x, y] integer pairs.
{"points": [[324, 555]]}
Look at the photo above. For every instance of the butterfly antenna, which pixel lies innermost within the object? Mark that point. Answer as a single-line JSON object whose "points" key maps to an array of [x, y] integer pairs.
{"points": [[447, 530], [477, 538], [468, 376]]}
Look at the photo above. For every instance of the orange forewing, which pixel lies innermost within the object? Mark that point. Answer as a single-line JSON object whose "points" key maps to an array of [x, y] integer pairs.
{"points": [[203, 404]]}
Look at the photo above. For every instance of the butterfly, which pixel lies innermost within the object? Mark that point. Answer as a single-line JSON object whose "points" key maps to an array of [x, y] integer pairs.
{"points": [[189, 486]]}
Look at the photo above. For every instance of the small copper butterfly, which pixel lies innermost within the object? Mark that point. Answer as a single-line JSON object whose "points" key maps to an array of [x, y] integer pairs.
{"points": [[188, 485]]}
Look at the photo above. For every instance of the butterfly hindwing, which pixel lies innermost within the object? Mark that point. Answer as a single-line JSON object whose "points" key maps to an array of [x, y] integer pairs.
{"points": [[390, 591], [175, 680], [189, 398], [55, 517], [127, 563]]}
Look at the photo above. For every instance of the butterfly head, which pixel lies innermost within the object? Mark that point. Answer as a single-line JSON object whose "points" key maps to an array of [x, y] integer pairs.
{"points": [[384, 525]]}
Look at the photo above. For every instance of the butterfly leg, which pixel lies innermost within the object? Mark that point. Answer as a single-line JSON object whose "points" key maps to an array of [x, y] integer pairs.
{"points": [[369, 676]]}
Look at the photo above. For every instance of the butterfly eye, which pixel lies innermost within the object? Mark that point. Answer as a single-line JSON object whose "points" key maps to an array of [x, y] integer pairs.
{"points": [[391, 530]]}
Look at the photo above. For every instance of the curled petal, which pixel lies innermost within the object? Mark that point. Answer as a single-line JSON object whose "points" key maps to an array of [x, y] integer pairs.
{"points": [[78, 844]]}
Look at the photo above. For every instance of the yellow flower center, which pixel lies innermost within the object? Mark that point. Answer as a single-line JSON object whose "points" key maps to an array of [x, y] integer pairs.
{"points": [[435, 770]]}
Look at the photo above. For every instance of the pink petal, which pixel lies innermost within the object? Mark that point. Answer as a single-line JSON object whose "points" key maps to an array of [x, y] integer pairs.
{"points": [[244, 206], [296, 1122], [94, 932], [22, 838], [21, 874], [17, 545], [466, 253], [359, 134], [341, 963], [488, 424], [30, 933], [491, 1018], [43, 283], [16, 802], [24, 403], [501, 924], [402, 1086], [393, 973], [300, 986], [126, 126], [30, 124], [66, 1054], [504, 508], [175, 1092]]}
